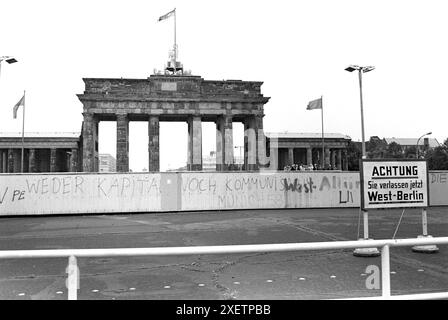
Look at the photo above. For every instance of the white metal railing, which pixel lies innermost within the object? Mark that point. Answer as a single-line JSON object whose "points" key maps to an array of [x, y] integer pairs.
{"points": [[73, 273]]}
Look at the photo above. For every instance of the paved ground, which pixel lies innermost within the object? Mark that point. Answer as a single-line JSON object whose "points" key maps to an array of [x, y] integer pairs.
{"points": [[304, 275]]}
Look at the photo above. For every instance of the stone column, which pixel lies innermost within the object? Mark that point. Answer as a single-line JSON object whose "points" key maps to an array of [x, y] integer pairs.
{"points": [[339, 160], [220, 144], [1, 161], [154, 144], [327, 158], [250, 144], [273, 157], [5, 161], [224, 143], [345, 167], [10, 160], [89, 142], [309, 156], [195, 144], [262, 159], [53, 160], [333, 159], [74, 160], [122, 143], [290, 156], [32, 161]]}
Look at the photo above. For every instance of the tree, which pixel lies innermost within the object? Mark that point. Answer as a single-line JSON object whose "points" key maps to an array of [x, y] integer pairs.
{"points": [[410, 152], [376, 148], [438, 158], [354, 154], [394, 151]]}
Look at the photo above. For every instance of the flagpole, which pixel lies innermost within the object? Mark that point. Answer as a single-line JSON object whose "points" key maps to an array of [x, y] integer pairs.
{"points": [[323, 149], [23, 128], [175, 44]]}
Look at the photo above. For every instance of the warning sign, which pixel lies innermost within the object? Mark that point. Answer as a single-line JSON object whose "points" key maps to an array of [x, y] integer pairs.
{"points": [[394, 183]]}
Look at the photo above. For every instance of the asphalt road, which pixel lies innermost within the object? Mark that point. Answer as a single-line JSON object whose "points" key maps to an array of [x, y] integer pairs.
{"points": [[298, 275]]}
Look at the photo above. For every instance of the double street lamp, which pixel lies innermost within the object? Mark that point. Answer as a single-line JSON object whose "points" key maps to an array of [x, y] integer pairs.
{"points": [[361, 70], [418, 140], [363, 252]]}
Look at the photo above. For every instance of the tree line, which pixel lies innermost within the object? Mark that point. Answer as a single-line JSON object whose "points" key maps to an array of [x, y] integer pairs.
{"points": [[377, 148]]}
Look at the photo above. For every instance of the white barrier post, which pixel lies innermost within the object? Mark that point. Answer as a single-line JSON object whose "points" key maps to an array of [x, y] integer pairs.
{"points": [[385, 272], [427, 248], [366, 252], [72, 278]]}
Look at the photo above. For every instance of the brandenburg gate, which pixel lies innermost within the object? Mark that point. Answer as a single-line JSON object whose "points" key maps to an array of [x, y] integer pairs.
{"points": [[174, 98]]}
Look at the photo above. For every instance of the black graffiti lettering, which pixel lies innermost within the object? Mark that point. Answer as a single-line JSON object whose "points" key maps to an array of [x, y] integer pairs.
{"points": [[100, 182], [126, 183], [56, 182], [4, 195], [44, 186], [324, 184], [65, 184], [227, 185], [33, 186], [78, 184], [19, 194]]}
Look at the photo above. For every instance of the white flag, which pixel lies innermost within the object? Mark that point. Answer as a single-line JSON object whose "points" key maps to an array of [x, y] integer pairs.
{"points": [[18, 104], [166, 16]]}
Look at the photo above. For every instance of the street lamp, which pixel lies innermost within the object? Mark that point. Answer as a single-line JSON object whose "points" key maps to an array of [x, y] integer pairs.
{"points": [[7, 59], [361, 70], [363, 252], [418, 140]]}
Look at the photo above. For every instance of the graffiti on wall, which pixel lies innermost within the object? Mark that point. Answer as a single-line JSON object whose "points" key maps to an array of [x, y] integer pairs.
{"points": [[279, 190], [21, 194]]}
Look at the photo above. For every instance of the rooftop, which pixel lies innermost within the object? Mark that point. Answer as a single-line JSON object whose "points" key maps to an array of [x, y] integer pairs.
{"points": [[306, 135], [40, 134], [433, 143]]}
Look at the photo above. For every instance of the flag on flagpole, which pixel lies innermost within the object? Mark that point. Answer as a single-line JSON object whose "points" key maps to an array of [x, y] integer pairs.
{"points": [[315, 104], [18, 104], [166, 16]]}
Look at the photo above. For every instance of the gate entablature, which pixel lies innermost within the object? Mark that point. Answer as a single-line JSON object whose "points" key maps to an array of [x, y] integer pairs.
{"points": [[171, 98]]}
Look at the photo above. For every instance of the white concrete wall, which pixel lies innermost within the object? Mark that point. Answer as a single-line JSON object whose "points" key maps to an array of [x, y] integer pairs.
{"points": [[211, 191], [143, 192], [438, 188], [78, 193]]}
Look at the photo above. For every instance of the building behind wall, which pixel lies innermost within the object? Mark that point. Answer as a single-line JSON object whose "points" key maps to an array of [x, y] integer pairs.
{"points": [[107, 163], [289, 148], [43, 152]]}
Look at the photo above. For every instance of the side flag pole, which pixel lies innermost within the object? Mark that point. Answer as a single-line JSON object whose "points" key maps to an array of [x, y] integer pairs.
{"points": [[23, 129], [323, 148], [175, 42]]}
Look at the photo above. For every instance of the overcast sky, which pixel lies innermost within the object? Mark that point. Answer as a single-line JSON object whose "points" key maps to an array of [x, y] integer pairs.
{"points": [[299, 49]]}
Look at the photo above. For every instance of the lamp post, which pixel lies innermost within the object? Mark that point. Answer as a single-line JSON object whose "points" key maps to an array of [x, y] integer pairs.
{"points": [[7, 59], [363, 252], [418, 140]]}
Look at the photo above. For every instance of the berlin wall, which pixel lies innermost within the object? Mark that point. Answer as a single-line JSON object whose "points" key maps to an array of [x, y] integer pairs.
{"points": [[22, 194]]}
